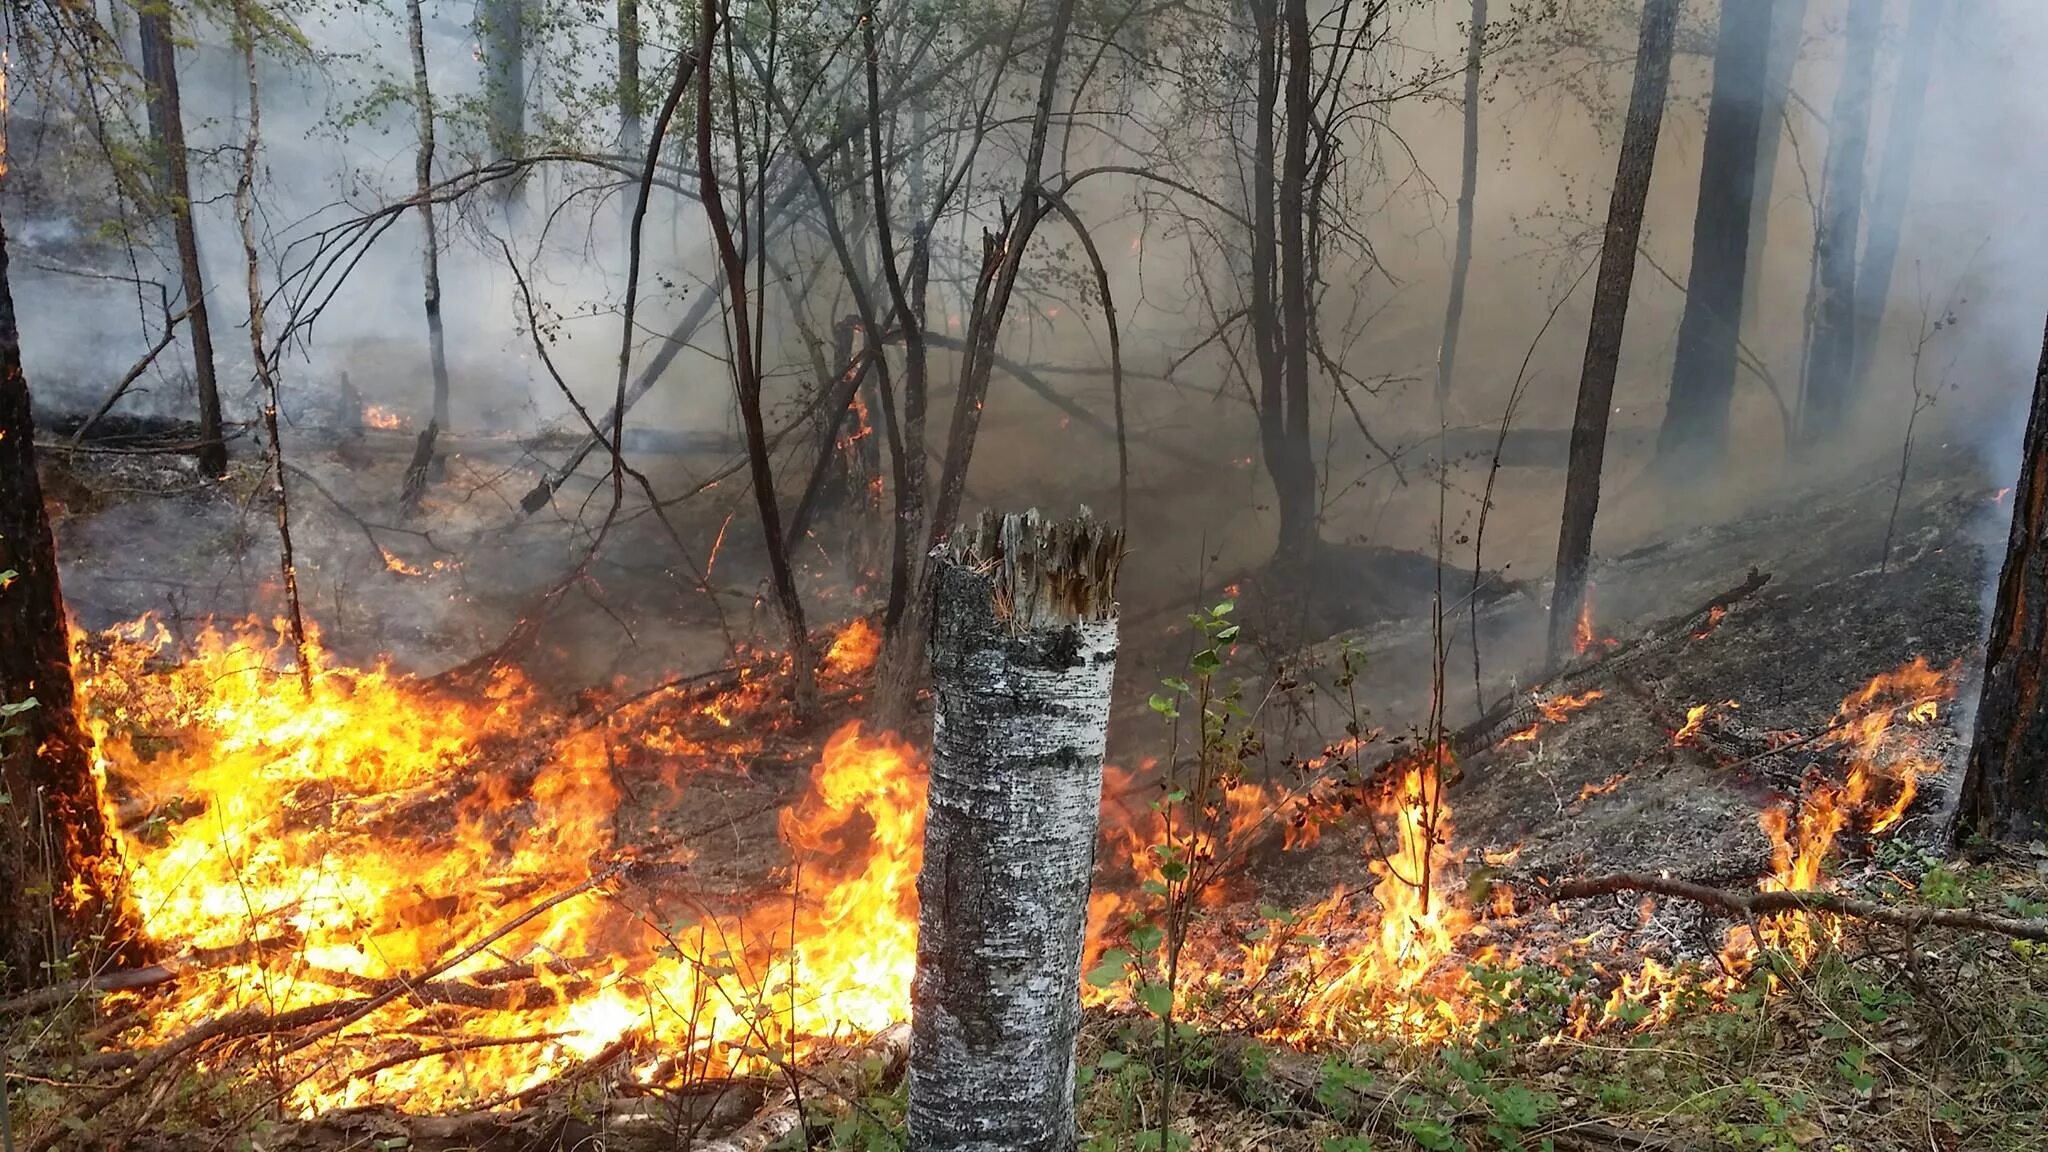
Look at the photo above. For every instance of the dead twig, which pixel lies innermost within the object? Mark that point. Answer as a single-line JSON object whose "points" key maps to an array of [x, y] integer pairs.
{"points": [[1754, 904]]}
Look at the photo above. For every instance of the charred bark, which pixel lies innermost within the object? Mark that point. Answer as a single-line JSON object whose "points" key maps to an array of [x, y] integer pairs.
{"points": [[430, 245], [1610, 312], [2005, 788], [1468, 183], [1894, 181], [1023, 645], [55, 847], [1828, 359], [1291, 460], [1788, 23], [1695, 432], [174, 186]]}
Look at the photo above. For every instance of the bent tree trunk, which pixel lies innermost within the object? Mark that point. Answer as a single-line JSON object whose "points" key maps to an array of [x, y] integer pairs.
{"points": [[1827, 400], [1695, 431], [54, 844], [1610, 310], [2005, 789], [1023, 647], [174, 186]]}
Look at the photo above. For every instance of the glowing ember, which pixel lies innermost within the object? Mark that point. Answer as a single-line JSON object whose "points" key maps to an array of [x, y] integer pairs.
{"points": [[1713, 621], [1695, 716], [380, 417], [1602, 787]]}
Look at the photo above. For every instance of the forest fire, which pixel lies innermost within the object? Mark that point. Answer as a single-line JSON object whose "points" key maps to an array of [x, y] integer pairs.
{"points": [[383, 419]]}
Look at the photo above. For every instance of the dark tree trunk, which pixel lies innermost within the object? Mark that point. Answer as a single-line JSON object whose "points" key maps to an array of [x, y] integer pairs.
{"points": [[1894, 180], [160, 67], [629, 77], [1828, 358], [503, 33], [1293, 465], [57, 868], [430, 244], [1610, 311], [2005, 788], [1695, 431], [1788, 23], [1023, 645], [1461, 256]]}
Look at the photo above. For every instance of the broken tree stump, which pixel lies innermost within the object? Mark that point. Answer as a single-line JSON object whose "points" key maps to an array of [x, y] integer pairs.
{"points": [[1023, 649]]}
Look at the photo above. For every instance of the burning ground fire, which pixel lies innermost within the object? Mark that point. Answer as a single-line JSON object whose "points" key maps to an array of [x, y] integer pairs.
{"points": [[318, 856]]}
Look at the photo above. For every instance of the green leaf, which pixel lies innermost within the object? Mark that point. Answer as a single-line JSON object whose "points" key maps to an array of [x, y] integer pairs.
{"points": [[1177, 684], [1206, 662], [1146, 937], [1227, 634], [1114, 966], [1157, 998], [1224, 609], [1111, 1061], [1163, 705]]}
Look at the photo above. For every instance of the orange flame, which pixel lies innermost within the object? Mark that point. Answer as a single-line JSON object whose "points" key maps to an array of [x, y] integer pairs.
{"points": [[380, 417]]}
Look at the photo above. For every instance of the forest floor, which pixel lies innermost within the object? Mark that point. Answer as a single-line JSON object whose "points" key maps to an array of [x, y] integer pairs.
{"points": [[1879, 1040]]}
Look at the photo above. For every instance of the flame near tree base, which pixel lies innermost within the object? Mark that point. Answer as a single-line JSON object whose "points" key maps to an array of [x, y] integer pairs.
{"points": [[299, 852]]}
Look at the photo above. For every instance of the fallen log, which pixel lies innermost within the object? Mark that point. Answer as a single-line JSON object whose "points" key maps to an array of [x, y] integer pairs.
{"points": [[1753, 904]]}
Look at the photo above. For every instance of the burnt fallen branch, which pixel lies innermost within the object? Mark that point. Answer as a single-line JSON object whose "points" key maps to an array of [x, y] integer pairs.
{"points": [[1754, 904]]}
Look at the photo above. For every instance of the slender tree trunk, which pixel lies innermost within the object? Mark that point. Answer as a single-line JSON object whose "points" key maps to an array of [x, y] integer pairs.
{"points": [[1610, 311], [1023, 644], [266, 372], [1695, 432], [629, 77], [2005, 788], [57, 860], [1828, 400], [160, 67], [1894, 180], [430, 244], [1293, 467], [1788, 24], [747, 381], [1461, 256], [503, 34]]}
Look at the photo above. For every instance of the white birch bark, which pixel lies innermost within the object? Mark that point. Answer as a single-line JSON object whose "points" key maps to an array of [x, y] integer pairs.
{"points": [[1023, 650]]}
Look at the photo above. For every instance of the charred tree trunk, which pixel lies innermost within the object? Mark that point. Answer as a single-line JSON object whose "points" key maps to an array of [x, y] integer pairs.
{"points": [[1695, 432], [1894, 181], [1293, 464], [1788, 23], [1461, 256], [1828, 359], [1023, 645], [423, 176], [1610, 311], [166, 118], [54, 842], [2005, 788], [503, 33]]}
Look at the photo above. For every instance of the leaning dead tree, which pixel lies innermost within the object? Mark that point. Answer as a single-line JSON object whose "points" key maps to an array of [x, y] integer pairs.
{"points": [[1023, 647], [1610, 310], [2005, 789], [51, 893]]}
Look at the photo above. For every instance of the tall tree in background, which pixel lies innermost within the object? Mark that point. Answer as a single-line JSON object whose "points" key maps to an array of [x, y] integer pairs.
{"points": [[1461, 257], [174, 186], [1827, 398], [1695, 431], [2005, 788], [1894, 181], [502, 29], [55, 891], [1610, 311], [1788, 25], [629, 78], [423, 177]]}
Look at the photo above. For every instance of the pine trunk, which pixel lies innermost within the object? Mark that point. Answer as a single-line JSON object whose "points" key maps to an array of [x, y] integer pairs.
{"points": [[54, 842], [166, 118], [1023, 645], [1828, 357], [1461, 256], [430, 244], [2005, 788], [1695, 432], [1610, 312], [1894, 180], [1788, 26]]}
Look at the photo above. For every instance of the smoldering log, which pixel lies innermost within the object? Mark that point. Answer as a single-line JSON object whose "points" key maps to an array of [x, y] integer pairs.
{"points": [[1023, 649]]}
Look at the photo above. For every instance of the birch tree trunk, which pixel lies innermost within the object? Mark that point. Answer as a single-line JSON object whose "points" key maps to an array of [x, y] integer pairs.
{"points": [[1610, 311], [167, 122], [53, 834], [1827, 398], [1461, 257], [1695, 432], [2005, 788], [1894, 181], [1023, 645], [1788, 24], [430, 244]]}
